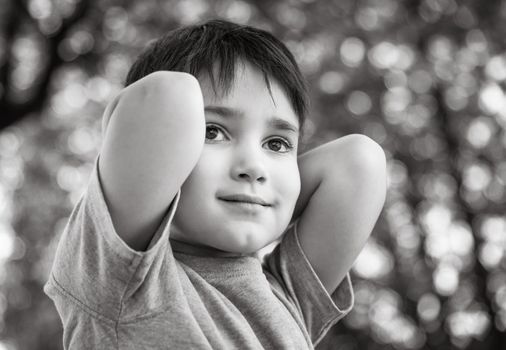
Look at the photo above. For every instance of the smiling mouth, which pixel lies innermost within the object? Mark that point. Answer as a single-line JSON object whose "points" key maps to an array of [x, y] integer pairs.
{"points": [[244, 203], [245, 198], [245, 207]]}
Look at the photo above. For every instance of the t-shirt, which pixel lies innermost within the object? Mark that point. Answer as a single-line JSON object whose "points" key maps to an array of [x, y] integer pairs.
{"points": [[172, 296]]}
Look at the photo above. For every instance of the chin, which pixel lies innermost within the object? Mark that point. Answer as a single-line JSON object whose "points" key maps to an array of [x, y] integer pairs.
{"points": [[247, 246]]}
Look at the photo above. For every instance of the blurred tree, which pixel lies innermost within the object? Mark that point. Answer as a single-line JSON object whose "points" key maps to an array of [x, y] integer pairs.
{"points": [[424, 78], [32, 37]]}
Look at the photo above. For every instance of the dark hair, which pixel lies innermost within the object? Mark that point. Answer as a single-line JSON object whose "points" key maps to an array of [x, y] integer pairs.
{"points": [[196, 48]]}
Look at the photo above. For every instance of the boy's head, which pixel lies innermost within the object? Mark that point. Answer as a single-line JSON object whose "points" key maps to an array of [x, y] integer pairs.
{"points": [[216, 47], [253, 121]]}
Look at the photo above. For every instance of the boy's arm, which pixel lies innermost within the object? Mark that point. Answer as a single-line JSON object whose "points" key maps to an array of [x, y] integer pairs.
{"points": [[153, 136], [343, 189]]}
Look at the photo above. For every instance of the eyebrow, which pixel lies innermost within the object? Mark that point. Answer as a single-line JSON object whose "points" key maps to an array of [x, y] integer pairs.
{"points": [[229, 112]]}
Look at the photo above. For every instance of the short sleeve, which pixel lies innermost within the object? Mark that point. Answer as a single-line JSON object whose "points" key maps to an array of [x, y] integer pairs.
{"points": [[95, 271], [289, 271]]}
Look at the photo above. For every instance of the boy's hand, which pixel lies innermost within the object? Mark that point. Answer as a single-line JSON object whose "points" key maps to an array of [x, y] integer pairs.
{"points": [[343, 189]]}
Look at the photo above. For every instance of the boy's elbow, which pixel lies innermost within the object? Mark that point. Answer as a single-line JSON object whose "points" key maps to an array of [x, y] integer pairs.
{"points": [[165, 93], [168, 81], [370, 166], [365, 161], [172, 87], [356, 157], [366, 154]]}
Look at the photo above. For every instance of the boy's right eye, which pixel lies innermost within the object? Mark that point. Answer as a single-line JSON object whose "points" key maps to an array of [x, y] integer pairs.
{"points": [[213, 132]]}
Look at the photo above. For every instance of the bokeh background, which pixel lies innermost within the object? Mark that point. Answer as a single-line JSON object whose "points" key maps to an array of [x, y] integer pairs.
{"points": [[424, 78]]}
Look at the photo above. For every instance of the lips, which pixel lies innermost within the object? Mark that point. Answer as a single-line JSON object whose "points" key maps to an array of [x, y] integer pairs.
{"points": [[245, 198]]}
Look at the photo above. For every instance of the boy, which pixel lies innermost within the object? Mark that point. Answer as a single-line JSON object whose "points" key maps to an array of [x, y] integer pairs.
{"points": [[201, 146]]}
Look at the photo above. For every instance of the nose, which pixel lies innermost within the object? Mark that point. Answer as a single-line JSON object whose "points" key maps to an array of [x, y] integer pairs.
{"points": [[249, 166]]}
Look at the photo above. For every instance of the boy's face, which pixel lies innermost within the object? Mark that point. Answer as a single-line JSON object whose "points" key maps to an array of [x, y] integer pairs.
{"points": [[243, 154]]}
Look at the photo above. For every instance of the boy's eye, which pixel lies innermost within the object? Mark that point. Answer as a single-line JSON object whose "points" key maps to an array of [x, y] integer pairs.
{"points": [[212, 132], [280, 145]]}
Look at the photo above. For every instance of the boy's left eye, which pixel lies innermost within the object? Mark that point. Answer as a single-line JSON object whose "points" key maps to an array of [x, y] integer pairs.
{"points": [[278, 144]]}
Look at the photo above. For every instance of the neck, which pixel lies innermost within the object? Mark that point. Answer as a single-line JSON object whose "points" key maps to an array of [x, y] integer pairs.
{"points": [[180, 246]]}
